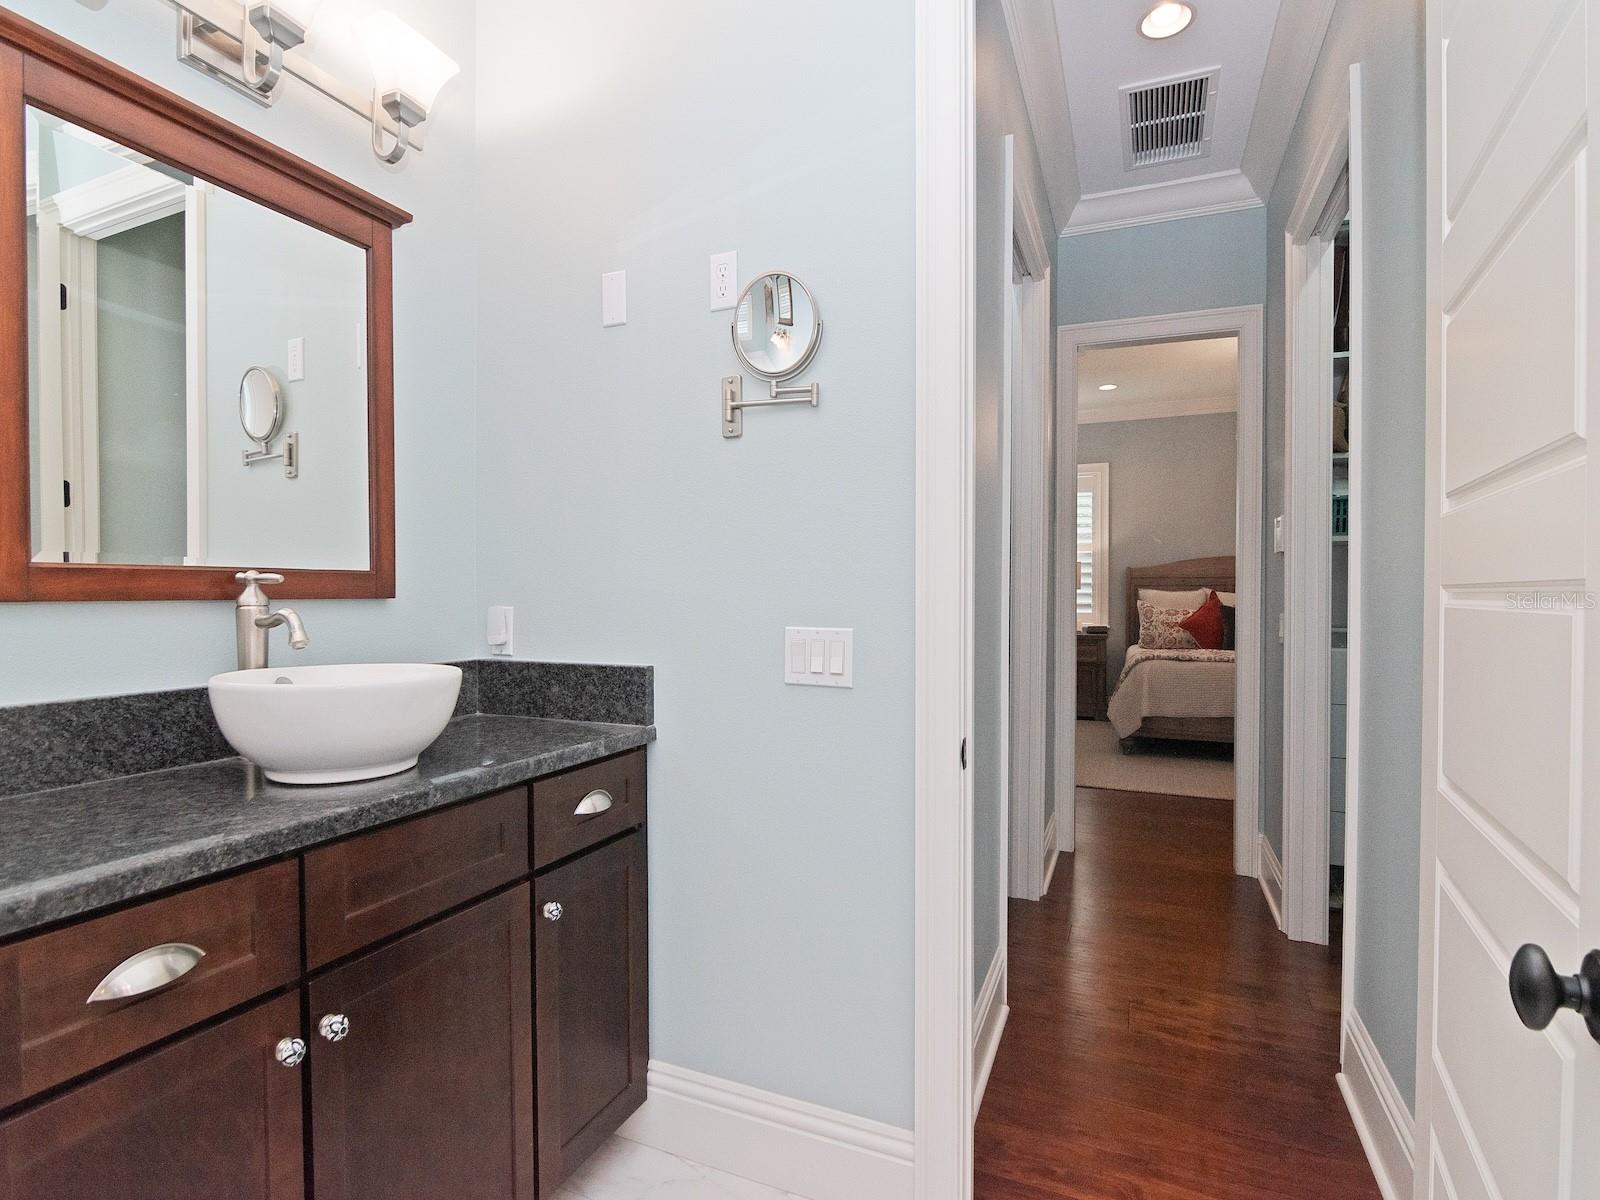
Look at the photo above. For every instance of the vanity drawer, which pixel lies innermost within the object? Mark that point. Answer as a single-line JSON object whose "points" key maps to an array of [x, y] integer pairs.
{"points": [[248, 927], [581, 808], [376, 884]]}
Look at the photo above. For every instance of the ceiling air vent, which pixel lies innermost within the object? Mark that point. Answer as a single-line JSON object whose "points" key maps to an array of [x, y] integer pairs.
{"points": [[1168, 121]]}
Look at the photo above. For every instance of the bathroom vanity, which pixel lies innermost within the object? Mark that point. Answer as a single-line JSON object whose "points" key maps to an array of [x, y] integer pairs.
{"points": [[433, 985], [214, 986]]}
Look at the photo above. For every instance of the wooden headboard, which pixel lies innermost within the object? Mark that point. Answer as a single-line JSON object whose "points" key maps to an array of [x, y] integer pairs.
{"points": [[1214, 573]]}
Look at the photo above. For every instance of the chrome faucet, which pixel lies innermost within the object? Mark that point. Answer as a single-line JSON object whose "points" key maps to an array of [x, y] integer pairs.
{"points": [[253, 620]]}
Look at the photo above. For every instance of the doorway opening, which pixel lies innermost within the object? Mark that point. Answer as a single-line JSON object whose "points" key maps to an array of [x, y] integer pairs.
{"points": [[1158, 523]]}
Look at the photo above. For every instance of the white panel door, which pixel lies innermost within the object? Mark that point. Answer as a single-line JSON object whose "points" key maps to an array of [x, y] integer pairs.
{"points": [[1511, 795]]}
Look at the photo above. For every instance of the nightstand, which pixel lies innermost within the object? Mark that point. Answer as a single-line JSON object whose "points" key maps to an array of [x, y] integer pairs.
{"points": [[1092, 676]]}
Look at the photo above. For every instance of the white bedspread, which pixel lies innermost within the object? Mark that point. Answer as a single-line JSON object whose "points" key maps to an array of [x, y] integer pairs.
{"points": [[1171, 683]]}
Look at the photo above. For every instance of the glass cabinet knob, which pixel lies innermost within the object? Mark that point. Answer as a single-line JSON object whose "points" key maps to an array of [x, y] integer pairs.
{"points": [[290, 1051]]}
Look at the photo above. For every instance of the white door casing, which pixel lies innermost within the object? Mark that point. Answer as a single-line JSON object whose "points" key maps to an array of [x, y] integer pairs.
{"points": [[1030, 409], [1244, 323], [1510, 792]]}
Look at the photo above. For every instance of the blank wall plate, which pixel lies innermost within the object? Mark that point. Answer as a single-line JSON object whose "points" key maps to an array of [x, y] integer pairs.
{"points": [[817, 657], [297, 360], [614, 298], [724, 280]]}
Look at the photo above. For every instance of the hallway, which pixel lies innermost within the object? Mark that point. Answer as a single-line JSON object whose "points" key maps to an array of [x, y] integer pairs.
{"points": [[1165, 1042]]}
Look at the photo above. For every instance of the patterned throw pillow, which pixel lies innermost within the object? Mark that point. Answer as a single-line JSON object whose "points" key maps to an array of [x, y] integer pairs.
{"points": [[1162, 628]]}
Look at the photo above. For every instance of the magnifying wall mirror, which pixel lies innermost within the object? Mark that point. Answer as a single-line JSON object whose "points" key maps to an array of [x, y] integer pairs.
{"points": [[260, 406], [261, 413], [776, 331], [776, 327]]}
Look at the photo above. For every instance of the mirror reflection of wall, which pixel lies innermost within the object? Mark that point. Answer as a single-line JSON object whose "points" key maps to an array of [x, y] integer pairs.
{"points": [[150, 295], [776, 325]]}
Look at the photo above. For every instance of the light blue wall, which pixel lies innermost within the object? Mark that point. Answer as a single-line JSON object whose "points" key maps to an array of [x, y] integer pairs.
{"points": [[614, 516], [310, 285], [1387, 39], [1216, 261], [1001, 110], [54, 651]]}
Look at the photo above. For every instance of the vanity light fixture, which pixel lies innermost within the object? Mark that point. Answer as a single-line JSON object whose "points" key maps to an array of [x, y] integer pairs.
{"points": [[263, 31], [408, 71], [243, 45], [1167, 19]]}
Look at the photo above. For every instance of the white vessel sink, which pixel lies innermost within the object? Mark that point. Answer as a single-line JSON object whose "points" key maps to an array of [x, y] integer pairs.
{"points": [[334, 724]]}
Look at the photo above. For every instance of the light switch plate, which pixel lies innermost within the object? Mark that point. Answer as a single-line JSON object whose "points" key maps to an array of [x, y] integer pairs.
{"points": [[614, 298], [724, 280], [819, 657], [297, 360], [1277, 535]]}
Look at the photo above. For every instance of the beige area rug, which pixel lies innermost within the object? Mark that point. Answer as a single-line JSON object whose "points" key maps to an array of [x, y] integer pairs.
{"points": [[1171, 768]]}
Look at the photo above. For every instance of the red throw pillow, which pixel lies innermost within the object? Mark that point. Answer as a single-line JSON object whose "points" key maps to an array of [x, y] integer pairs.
{"points": [[1205, 624]]}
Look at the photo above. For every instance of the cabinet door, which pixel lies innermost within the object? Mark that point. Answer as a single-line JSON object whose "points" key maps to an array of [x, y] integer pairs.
{"points": [[429, 1092], [591, 1002], [214, 1114]]}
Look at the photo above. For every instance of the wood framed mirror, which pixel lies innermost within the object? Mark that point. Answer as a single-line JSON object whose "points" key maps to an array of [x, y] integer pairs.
{"points": [[160, 268]]}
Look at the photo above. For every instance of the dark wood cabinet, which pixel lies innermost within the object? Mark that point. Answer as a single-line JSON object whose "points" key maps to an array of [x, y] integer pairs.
{"points": [[247, 928], [415, 969], [591, 1000], [429, 1093], [213, 1114], [1092, 676], [375, 884]]}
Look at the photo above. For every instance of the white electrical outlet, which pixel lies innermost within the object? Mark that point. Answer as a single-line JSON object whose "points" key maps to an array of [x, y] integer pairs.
{"points": [[614, 298], [297, 359], [498, 633], [724, 280], [815, 657]]}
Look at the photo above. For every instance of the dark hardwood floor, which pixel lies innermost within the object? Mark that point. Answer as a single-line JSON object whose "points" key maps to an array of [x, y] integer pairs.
{"points": [[1165, 1042]]}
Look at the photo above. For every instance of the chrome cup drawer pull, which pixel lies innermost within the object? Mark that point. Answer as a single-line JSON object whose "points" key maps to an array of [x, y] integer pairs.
{"points": [[147, 971], [595, 803]]}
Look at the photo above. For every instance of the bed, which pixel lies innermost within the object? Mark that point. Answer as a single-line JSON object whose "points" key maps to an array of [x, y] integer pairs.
{"points": [[1179, 695]]}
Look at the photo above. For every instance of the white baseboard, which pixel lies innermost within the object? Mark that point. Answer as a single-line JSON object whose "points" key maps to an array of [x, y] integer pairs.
{"points": [[1381, 1118], [1052, 851], [813, 1152], [988, 1026], [1270, 871]]}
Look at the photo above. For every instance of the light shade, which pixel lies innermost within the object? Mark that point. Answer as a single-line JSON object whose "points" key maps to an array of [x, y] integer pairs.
{"points": [[404, 61], [1165, 19]]}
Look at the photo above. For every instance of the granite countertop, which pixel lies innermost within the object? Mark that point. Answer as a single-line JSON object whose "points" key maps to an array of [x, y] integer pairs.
{"points": [[69, 850]]}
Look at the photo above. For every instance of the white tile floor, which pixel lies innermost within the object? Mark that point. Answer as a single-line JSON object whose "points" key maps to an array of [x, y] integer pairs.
{"points": [[624, 1170]]}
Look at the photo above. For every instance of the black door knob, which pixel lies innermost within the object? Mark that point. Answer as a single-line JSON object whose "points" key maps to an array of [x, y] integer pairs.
{"points": [[1538, 993]]}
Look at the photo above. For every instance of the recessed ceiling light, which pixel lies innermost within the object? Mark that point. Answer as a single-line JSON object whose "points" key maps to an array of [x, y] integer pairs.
{"points": [[1166, 19], [1108, 387]]}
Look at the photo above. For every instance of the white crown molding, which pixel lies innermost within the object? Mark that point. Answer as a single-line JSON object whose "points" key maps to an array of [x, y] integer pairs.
{"points": [[1203, 195], [1382, 1120], [1036, 46], [786, 1144], [1291, 61], [120, 200], [1099, 409]]}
